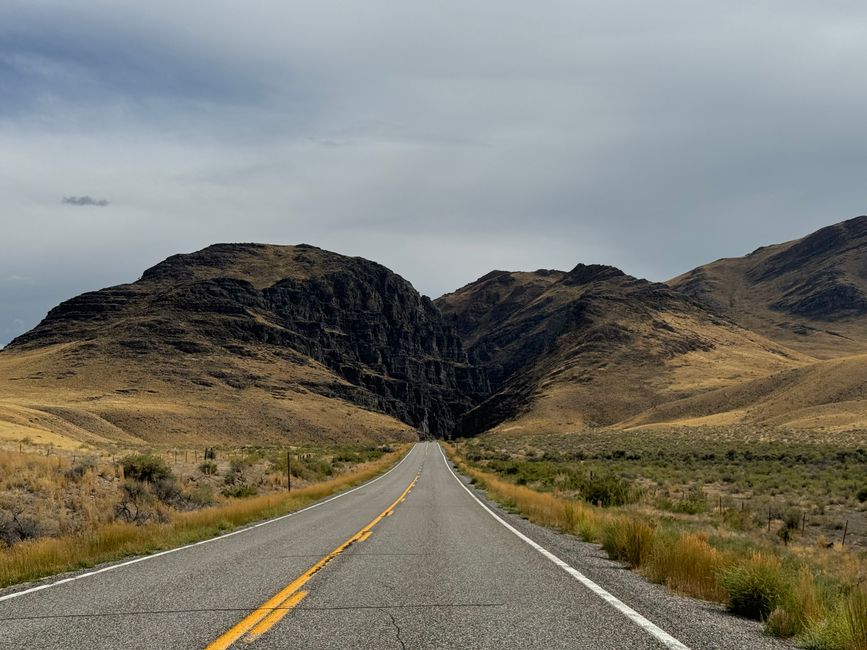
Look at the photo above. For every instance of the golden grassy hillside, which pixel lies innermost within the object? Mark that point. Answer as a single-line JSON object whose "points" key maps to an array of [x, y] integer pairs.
{"points": [[830, 395], [65, 395]]}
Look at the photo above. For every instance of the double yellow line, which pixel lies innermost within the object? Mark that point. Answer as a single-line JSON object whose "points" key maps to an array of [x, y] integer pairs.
{"points": [[275, 608]]}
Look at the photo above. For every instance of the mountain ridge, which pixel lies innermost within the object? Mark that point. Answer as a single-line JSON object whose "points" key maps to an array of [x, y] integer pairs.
{"points": [[293, 336]]}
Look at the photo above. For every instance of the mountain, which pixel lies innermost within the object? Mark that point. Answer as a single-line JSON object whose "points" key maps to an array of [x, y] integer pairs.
{"points": [[809, 294], [252, 342], [242, 342], [594, 347]]}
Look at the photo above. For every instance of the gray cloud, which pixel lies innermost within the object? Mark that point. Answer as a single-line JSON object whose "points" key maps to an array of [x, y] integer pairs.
{"points": [[84, 200], [653, 136]]}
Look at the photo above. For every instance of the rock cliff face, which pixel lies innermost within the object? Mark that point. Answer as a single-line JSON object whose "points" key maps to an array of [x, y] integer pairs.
{"points": [[587, 347], [361, 321]]}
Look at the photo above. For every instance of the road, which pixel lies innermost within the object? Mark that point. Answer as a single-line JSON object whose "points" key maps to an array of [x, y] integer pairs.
{"points": [[411, 560]]}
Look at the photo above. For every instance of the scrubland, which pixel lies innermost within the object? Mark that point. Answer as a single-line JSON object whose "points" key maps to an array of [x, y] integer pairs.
{"points": [[752, 520], [61, 511]]}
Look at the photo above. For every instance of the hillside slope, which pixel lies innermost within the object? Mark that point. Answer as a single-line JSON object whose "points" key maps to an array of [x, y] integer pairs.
{"points": [[243, 342], [594, 346], [830, 395], [809, 294]]}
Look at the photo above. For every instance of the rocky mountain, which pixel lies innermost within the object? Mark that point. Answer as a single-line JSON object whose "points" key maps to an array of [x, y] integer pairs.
{"points": [[810, 294], [594, 346], [277, 321], [251, 342]]}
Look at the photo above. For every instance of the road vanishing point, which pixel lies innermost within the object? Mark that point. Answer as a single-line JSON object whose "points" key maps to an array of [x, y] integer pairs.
{"points": [[413, 559]]}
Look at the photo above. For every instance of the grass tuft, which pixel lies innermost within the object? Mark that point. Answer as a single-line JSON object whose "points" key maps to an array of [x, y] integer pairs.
{"points": [[629, 540], [687, 564]]}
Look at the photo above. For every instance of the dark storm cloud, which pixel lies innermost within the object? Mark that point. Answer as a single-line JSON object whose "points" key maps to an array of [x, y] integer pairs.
{"points": [[441, 139], [84, 200]]}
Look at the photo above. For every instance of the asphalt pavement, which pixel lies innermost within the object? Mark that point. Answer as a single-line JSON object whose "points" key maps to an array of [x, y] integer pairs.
{"points": [[414, 559]]}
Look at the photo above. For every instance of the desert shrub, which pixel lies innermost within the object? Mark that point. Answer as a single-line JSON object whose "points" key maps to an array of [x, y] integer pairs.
{"points": [[145, 467], [755, 586], [360, 455], [80, 468], [201, 496], [16, 526], [208, 468], [607, 490], [240, 490], [167, 491], [693, 503], [137, 503], [862, 494], [237, 472], [738, 519], [792, 519], [628, 540]]}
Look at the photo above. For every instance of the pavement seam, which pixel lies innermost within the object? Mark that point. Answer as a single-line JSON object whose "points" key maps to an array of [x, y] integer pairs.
{"points": [[207, 610]]}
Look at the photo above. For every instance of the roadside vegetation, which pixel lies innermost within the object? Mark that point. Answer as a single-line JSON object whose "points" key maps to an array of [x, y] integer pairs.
{"points": [[667, 512], [65, 512]]}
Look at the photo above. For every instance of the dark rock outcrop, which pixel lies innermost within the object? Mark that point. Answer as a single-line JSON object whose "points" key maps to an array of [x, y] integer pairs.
{"points": [[529, 331], [363, 322]]}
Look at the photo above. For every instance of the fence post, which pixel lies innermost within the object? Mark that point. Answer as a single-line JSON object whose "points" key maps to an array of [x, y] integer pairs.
{"points": [[288, 471], [769, 518], [845, 530]]}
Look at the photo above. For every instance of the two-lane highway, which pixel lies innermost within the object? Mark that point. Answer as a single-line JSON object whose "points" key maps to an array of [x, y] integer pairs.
{"points": [[410, 560]]}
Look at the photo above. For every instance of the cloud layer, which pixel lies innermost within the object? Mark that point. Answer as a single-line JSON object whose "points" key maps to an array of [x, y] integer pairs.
{"points": [[442, 139]]}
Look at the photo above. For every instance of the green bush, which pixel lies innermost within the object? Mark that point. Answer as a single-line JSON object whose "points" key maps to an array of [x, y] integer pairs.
{"points": [[755, 586], [607, 490], [208, 468], [145, 467]]}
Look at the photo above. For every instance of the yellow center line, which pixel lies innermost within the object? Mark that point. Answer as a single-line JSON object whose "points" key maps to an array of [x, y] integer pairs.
{"points": [[269, 621], [275, 608]]}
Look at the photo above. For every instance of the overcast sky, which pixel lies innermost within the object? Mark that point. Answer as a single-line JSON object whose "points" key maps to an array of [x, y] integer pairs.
{"points": [[440, 138]]}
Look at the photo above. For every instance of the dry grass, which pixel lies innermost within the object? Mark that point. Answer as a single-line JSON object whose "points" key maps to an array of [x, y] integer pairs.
{"points": [[823, 609], [72, 394], [33, 559], [687, 564]]}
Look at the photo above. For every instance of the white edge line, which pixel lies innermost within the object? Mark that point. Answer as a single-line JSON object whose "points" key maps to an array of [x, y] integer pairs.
{"points": [[64, 581], [661, 635]]}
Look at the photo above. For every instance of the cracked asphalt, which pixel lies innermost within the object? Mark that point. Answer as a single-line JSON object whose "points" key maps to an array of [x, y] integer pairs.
{"points": [[438, 572]]}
